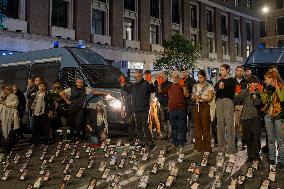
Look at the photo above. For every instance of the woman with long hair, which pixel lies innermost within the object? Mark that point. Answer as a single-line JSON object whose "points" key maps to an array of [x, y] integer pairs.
{"points": [[273, 99], [202, 95]]}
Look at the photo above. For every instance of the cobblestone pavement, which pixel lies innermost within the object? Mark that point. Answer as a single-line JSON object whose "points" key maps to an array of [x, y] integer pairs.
{"points": [[129, 178]]}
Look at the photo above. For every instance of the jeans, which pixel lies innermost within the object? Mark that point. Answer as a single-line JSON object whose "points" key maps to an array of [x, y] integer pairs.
{"points": [[178, 123], [189, 121], [225, 122], [141, 123], [31, 120], [76, 123], [202, 128], [274, 129], [41, 128], [252, 137]]}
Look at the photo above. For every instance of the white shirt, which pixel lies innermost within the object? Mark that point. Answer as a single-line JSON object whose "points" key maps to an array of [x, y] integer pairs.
{"points": [[68, 91], [197, 89]]}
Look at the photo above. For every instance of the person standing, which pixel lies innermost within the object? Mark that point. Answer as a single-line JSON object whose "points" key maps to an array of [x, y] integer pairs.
{"points": [[250, 117], [163, 100], [31, 89], [202, 95], [189, 82], [141, 92], [241, 84], [43, 109], [248, 72], [8, 115], [177, 108], [225, 92], [273, 99], [21, 109], [75, 97]]}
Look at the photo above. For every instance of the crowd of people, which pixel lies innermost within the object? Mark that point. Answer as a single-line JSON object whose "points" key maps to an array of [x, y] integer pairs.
{"points": [[49, 110], [232, 111], [180, 109]]}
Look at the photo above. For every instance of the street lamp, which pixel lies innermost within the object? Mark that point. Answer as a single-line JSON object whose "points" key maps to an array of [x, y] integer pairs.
{"points": [[265, 9]]}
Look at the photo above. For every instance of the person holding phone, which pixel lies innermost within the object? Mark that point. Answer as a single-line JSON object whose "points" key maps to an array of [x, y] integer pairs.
{"points": [[225, 92]]}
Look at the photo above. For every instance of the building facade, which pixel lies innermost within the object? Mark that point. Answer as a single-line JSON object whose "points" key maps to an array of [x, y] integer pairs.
{"points": [[133, 31], [272, 24]]}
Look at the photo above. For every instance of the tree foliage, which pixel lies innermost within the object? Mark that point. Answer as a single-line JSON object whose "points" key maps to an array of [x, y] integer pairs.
{"points": [[179, 51]]}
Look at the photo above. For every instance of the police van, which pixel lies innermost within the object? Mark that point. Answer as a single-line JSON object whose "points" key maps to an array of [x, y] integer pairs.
{"points": [[67, 64], [260, 60]]}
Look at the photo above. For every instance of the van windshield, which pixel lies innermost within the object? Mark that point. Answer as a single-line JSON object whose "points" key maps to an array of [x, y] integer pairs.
{"points": [[267, 56], [87, 56], [102, 75]]}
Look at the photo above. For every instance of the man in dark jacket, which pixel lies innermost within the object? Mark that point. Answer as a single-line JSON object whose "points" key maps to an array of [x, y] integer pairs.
{"points": [[75, 97], [163, 100], [241, 84], [141, 91], [189, 82]]}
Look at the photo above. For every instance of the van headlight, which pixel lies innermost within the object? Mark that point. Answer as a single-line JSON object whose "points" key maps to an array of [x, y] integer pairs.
{"points": [[115, 104]]}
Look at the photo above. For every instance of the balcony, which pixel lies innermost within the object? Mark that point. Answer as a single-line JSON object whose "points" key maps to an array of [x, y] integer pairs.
{"points": [[16, 25], [64, 33], [156, 48], [239, 59], [131, 44], [102, 39], [226, 57], [213, 56]]}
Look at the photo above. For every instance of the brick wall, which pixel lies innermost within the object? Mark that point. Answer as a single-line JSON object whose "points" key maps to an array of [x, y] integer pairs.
{"points": [[203, 30], [231, 39], [167, 19], [82, 19], [218, 36], [185, 9], [116, 22], [144, 24], [255, 34], [243, 37], [38, 16]]}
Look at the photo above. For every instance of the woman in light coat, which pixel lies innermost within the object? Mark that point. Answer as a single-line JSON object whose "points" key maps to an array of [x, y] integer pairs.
{"points": [[8, 111]]}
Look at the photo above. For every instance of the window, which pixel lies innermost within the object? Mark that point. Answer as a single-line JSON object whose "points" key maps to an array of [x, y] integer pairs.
{"points": [[128, 29], [224, 24], [98, 22], [279, 4], [237, 3], [193, 16], [12, 9], [237, 28], [209, 20], [249, 31], [237, 49], [248, 50], [175, 11], [280, 26], [225, 47], [104, 1], [194, 39], [129, 5], [249, 4], [59, 13], [154, 37], [154, 8], [210, 44], [262, 29], [280, 43]]}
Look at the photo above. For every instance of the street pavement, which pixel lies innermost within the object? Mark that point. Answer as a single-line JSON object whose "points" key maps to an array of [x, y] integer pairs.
{"points": [[129, 178]]}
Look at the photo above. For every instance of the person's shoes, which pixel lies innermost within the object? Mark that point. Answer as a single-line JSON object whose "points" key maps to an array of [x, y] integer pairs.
{"points": [[151, 147], [280, 166], [249, 160], [271, 162], [159, 136], [264, 149]]}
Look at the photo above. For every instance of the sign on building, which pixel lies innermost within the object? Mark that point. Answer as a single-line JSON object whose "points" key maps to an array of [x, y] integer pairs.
{"points": [[135, 65]]}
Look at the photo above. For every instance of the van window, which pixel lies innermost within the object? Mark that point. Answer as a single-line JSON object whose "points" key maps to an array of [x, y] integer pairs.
{"points": [[68, 76], [15, 75], [48, 70]]}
